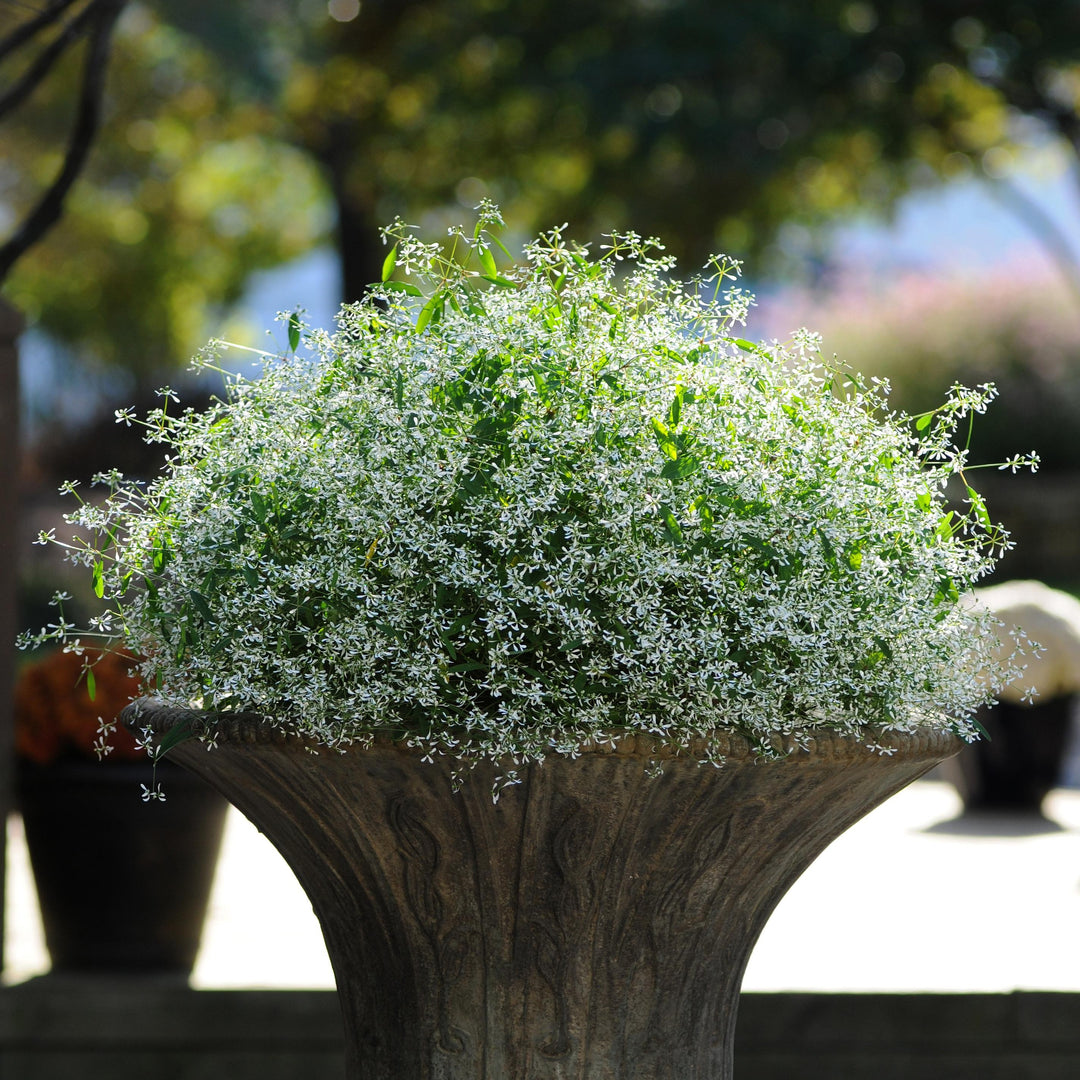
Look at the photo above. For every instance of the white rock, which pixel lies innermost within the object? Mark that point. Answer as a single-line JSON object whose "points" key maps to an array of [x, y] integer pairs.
{"points": [[1049, 617]]}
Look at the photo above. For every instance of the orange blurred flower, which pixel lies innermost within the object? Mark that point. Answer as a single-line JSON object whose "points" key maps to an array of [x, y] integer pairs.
{"points": [[54, 716]]}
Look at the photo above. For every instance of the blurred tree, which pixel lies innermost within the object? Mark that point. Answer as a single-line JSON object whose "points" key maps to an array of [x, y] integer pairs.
{"points": [[32, 43], [715, 125], [189, 191]]}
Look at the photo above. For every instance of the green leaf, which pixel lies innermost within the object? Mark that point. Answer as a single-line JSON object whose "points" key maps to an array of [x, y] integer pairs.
{"points": [[177, 734], [201, 605], [684, 465], [389, 263], [487, 262], [99, 579], [979, 506], [294, 331], [500, 245], [676, 409], [664, 439], [947, 592], [91, 683], [406, 287], [498, 279], [746, 346], [923, 422], [427, 312], [828, 549], [671, 526]]}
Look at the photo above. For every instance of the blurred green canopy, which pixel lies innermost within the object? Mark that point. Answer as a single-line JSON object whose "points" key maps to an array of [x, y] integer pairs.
{"points": [[238, 136]]}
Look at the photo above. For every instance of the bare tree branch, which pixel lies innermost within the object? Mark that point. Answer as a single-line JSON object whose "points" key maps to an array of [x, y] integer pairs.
{"points": [[22, 34], [45, 60], [50, 207]]}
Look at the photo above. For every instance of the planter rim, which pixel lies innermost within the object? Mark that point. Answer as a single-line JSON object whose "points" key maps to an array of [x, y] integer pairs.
{"points": [[821, 744]]}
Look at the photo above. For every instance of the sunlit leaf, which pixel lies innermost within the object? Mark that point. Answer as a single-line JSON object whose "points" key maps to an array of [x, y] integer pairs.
{"points": [[389, 263], [406, 287], [979, 506], [428, 311], [682, 466], [487, 262], [500, 245]]}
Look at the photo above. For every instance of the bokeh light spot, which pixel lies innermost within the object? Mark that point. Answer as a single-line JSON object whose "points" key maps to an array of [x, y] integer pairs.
{"points": [[343, 10]]}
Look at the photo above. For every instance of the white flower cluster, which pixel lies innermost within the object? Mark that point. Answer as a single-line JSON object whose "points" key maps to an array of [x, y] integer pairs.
{"points": [[508, 511]]}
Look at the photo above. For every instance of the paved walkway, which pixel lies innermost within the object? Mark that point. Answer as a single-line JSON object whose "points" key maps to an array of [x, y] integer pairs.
{"points": [[911, 898]]}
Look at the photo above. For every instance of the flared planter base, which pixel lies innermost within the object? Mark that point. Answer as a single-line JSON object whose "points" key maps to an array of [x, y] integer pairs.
{"points": [[594, 923]]}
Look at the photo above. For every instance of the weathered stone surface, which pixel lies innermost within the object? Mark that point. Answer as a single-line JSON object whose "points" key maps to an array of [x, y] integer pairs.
{"points": [[593, 923]]}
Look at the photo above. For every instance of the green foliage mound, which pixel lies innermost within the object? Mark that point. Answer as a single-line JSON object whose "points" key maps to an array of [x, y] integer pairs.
{"points": [[508, 509]]}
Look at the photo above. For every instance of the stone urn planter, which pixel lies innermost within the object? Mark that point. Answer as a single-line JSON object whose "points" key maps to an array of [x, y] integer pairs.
{"points": [[498, 514], [593, 922]]}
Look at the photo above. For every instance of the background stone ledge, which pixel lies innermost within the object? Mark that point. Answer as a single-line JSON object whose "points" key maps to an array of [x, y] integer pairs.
{"points": [[128, 1029]]}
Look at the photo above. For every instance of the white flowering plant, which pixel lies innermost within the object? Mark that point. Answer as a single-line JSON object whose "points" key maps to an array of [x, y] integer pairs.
{"points": [[514, 508]]}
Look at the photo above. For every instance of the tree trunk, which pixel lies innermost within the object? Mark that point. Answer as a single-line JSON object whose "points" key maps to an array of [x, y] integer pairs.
{"points": [[359, 245]]}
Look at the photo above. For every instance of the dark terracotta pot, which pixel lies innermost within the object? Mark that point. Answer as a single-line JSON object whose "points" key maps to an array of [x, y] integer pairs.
{"points": [[1020, 761], [123, 885], [594, 923]]}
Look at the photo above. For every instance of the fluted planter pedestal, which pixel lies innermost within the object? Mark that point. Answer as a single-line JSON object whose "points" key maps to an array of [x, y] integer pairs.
{"points": [[593, 923]]}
